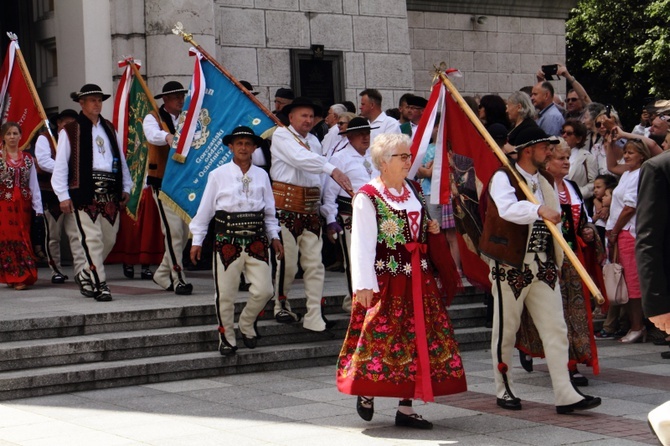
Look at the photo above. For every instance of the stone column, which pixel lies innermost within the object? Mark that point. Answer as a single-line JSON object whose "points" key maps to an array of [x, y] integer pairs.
{"points": [[84, 45], [167, 54]]}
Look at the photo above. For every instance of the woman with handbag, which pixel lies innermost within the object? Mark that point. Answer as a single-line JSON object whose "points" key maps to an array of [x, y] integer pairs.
{"points": [[620, 227], [400, 342]]}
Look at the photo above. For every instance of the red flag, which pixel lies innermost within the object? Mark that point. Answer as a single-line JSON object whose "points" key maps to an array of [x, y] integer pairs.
{"points": [[472, 163], [17, 99], [462, 169]]}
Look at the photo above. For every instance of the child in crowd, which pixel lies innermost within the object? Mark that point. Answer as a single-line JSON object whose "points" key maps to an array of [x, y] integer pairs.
{"points": [[603, 186]]}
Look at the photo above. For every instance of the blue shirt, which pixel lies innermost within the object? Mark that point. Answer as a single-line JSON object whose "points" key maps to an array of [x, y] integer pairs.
{"points": [[551, 120]]}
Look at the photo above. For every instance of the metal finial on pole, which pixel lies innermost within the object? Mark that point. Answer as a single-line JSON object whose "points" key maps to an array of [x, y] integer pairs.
{"points": [[179, 31]]}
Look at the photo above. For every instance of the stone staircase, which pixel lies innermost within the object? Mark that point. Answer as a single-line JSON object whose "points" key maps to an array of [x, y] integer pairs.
{"points": [[72, 352]]}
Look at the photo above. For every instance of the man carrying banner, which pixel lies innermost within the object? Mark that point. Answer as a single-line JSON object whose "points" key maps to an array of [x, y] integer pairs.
{"points": [[92, 181], [170, 274], [45, 154], [239, 196], [354, 160], [296, 171], [523, 259]]}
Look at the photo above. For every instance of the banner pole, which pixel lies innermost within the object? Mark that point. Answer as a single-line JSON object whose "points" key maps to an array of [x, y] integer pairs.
{"points": [[147, 92], [558, 237]]}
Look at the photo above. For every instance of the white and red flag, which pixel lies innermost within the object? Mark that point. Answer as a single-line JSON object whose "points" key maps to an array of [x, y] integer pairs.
{"points": [[463, 165], [18, 99]]}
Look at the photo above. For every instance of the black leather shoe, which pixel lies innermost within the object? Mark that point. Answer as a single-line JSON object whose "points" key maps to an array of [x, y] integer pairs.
{"points": [[184, 289], [226, 349], [508, 402], [287, 317], [589, 402], [578, 379], [330, 324], [58, 278], [526, 361], [414, 421], [365, 412], [249, 342], [665, 355], [128, 271], [102, 293], [146, 274], [85, 285]]}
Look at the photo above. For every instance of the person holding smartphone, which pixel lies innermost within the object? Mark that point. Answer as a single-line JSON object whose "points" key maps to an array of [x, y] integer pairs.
{"points": [[550, 119]]}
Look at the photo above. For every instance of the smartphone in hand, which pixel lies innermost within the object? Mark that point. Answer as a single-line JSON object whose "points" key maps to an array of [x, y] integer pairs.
{"points": [[550, 71]]}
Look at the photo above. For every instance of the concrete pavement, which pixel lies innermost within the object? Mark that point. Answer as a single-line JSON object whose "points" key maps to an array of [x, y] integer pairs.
{"points": [[303, 407]]}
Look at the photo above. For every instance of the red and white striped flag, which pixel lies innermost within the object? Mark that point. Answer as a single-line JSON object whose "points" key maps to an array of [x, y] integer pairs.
{"points": [[18, 102], [463, 166], [197, 94]]}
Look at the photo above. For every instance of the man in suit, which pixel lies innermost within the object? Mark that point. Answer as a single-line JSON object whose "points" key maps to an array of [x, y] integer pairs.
{"points": [[652, 245]]}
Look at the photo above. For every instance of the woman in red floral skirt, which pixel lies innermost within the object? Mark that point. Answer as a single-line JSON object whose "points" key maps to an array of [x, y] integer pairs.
{"points": [[400, 342], [19, 191]]}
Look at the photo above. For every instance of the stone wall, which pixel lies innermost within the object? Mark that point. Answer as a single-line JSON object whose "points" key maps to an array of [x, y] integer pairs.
{"points": [[254, 38], [498, 56]]}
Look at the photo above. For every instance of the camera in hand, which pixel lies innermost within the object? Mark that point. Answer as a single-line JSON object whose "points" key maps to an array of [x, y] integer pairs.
{"points": [[550, 71]]}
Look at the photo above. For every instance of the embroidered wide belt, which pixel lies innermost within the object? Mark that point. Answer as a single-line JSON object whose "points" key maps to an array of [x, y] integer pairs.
{"points": [[303, 200], [344, 205], [239, 224], [539, 238], [104, 186]]}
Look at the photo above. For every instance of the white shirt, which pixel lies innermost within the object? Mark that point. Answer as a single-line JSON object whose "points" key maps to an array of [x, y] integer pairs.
{"points": [[102, 162], [332, 140], [354, 165], [625, 194], [294, 164], [225, 192], [386, 124], [154, 132], [43, 154], [509, 207], [364, 236]]}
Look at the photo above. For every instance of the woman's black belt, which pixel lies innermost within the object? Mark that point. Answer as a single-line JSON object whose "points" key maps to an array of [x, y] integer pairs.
{"points": [[239, 224]]}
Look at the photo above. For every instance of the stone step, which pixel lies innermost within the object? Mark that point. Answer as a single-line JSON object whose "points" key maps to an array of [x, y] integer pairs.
{"points": [[66, 325], [142, 370], [112, 346]]}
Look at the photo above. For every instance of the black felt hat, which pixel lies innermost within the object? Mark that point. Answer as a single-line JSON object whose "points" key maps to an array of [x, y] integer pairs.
{"points": [[171, 87], [249, 87], [87, 90], [302, 102], [243, 131], [532, 135], [417, 101], [285, 93], [357, 124]]}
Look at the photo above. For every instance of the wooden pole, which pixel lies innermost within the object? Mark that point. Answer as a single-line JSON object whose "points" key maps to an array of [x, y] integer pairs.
{"points": [[147, 92], [555, 232]]}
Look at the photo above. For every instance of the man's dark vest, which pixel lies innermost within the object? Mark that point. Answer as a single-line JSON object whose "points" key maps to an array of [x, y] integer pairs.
{"points": [[80, 166], [502, 240]]}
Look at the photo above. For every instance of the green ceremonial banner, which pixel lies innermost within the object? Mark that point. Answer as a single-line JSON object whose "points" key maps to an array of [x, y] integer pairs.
{"points": [[136, 145]]}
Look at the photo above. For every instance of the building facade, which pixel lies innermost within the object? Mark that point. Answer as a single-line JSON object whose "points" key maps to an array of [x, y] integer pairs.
{"points": [[327, 49]]}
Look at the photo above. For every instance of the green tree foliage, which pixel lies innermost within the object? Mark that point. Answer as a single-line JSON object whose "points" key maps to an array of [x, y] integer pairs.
{"points": [[653, 56], [619, 50]]}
